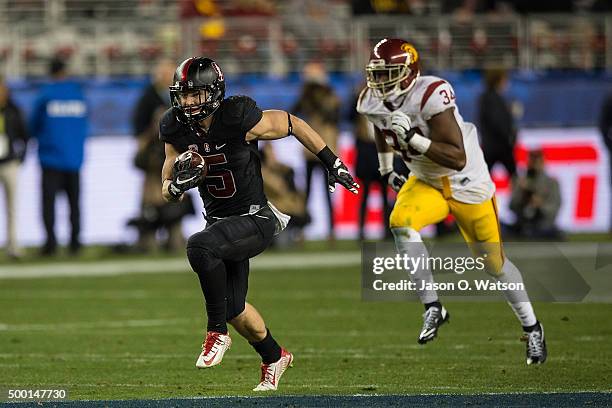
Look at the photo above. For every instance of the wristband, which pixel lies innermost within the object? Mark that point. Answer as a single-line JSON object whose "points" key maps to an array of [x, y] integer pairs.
{"points": [[385, 163], [327, 157], [419, 143]]}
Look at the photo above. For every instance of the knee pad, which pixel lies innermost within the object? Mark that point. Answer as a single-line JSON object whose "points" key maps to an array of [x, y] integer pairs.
{"points": [[203, 239], [495, 265], [491, 254], [200, 252], [405, 235]]}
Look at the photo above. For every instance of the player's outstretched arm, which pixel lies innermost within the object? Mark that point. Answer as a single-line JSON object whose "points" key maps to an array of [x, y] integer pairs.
{"points": [[277, 124]]}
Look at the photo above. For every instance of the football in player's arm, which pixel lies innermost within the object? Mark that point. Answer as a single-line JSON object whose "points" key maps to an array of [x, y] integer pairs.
{"points": [[274, 124], [241, 222]]}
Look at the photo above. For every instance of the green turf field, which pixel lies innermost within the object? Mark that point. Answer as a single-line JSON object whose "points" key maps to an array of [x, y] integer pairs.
{"points": [[137, 336]]}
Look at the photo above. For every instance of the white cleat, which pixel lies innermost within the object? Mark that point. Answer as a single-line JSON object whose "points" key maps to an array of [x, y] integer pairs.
{"points": [[433, 318], [536, 345], [213, 349], [271, 373]]}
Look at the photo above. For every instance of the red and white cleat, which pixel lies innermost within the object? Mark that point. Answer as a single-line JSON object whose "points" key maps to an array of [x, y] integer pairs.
{"points": [[213, 349], [271, 373]]}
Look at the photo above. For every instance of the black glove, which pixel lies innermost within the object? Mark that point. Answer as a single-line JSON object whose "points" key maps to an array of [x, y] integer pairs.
{"points": [[337, 171], [394, 180], [183, 180]]}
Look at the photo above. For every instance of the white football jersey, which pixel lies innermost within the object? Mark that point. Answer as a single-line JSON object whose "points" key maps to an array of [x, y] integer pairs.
{"points": [[430, 96]]}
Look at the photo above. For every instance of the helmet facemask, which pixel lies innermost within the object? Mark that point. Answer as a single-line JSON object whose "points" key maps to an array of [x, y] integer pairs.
{"points": [[386, 79], [196, 103]]}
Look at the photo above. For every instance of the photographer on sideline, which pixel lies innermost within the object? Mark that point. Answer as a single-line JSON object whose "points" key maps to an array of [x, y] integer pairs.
{"points": [[536, 201]]}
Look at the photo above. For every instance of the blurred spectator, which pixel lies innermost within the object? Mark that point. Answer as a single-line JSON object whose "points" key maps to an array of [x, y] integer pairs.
{"points": [[360, 7], [320, 106], [605, 127], [582, 36], [497, 128], [536, 201], [251, 8], [530, 6], [13, 140], [198, 8], [464, 11], [316, 34], [367, 169], [149, 158], [59, 122], [279, 186]]}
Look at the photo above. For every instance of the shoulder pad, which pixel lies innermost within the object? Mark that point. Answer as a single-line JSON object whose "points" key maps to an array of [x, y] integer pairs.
{"points": [[169, 124], [366, 102], [234, 109]]}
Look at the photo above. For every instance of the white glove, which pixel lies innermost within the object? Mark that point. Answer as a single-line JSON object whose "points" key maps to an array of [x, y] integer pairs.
{"points": [[408, 138], [400, 124]]}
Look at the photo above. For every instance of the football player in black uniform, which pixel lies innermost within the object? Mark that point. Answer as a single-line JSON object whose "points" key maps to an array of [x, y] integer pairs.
{"points": [[240, 220]]}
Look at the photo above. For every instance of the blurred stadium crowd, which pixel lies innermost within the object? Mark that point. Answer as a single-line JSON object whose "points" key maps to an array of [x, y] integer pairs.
{"points": [[309, 57], [119, 37]]}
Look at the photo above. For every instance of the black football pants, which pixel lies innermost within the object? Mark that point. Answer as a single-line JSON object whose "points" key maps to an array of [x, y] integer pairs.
{"points": [[220, 256]]}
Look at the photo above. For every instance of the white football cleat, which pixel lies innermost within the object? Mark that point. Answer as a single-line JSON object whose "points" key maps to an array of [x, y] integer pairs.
{"points": [[433, 318], [536, 345], [213, 349], [271, 373]]}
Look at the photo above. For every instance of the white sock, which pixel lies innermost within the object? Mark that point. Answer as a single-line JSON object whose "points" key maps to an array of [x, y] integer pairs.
{"points": [[408, 241], [517, 299]]}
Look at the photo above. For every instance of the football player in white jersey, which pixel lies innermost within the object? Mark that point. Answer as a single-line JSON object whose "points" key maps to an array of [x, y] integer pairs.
{"points": [[416, 117]]}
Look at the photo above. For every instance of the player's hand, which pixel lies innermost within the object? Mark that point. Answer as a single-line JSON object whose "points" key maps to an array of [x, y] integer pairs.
{"points": [[394, 180], [401, 125], [338, 173], [184, 180]]}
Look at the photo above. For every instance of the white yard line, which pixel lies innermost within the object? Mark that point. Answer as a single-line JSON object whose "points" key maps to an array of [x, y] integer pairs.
{"points": [[268, 261], [107, 324], [174, 265]]}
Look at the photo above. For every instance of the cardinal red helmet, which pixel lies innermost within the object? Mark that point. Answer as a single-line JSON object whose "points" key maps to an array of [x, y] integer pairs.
{"points": [[393, 68]]}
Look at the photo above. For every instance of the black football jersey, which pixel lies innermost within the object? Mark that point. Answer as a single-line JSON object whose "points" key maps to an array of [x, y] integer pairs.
{"points": [[233, 184]]}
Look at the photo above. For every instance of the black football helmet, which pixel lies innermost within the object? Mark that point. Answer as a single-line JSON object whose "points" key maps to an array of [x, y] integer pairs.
{"points": [[202, 78]]}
